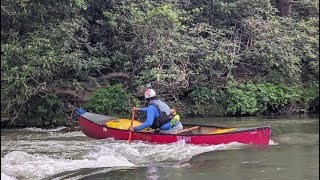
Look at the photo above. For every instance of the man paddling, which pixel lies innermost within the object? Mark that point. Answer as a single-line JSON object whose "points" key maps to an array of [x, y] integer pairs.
{"points": [[158, 115]]}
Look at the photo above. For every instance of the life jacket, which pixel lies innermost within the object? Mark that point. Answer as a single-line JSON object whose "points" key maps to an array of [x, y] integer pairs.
{"points": [[164, 114]]}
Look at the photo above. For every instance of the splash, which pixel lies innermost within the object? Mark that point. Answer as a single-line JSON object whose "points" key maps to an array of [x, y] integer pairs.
{"points": [[44, 155], [20, 164], [6, 177], [272, 142], [141, 153], [34, 129]]}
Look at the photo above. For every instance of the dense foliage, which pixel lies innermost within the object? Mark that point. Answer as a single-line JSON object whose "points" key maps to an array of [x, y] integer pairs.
{"points": [[113, 100], [206, 57]]}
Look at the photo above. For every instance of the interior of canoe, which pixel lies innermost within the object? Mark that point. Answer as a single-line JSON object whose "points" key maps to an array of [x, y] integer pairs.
{"points": [[194, 129], [187, 128]]}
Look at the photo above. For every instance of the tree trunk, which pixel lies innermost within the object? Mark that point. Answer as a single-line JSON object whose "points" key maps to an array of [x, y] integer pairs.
{"points": [[284, 7]]}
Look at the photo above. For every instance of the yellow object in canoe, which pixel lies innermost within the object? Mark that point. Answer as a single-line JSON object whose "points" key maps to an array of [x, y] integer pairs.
{"points": [[219, 131], [123, 124]]}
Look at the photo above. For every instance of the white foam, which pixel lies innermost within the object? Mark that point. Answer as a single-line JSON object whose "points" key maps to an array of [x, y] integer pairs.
{"points": [[272, 142], [34, 129], [141, 153], [6, 177], [35, 166], [68, 134], [37, 159]]}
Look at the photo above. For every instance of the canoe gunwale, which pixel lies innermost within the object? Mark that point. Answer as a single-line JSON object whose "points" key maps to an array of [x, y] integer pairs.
{"points": [[209, 126]]}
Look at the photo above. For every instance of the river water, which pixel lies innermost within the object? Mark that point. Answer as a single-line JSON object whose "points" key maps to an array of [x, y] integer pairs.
{"points": [[292, 153]]}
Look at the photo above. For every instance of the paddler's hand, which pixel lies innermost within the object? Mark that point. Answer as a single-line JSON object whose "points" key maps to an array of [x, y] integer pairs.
{"points": [[131, 128], [134, 109]]}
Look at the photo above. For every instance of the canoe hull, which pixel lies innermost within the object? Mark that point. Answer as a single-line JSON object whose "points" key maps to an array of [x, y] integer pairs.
{"points": [[257, 136]]}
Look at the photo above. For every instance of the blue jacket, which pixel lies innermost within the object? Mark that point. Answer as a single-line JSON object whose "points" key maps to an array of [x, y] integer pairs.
{"points": [[152, 113]]}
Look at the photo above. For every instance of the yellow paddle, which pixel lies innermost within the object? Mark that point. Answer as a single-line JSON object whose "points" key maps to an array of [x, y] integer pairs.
{"points": [[129, 139]]}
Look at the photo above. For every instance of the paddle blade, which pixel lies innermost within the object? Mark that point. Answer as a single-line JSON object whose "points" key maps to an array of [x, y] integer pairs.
{"points": [[129, 139]]}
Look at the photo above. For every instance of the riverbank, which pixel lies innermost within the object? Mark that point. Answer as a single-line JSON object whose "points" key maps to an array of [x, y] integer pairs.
{"points": [[69, 127]]}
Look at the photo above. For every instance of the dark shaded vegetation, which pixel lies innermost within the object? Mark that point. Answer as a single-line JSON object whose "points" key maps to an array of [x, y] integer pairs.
{"points": [[206, 57]]}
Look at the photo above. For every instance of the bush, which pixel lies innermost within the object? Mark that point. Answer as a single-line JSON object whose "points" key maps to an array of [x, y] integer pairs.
{"points": [[206, 102], [111, 101], [258, 98], [241, 99], [43, 111]]}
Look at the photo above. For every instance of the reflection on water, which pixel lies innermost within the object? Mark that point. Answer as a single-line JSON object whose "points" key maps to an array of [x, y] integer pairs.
{"points": [[35, 153], [153, 173]]}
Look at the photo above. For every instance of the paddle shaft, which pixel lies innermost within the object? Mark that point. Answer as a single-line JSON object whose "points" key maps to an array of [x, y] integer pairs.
{"points": [[186, 130], [129, 138]]}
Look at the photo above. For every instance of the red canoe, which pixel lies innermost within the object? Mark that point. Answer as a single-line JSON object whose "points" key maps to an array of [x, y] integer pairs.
{"points": [[94, 126]]}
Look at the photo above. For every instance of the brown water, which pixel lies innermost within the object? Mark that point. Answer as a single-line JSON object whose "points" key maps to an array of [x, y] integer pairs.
{"points": [[293, 153]]}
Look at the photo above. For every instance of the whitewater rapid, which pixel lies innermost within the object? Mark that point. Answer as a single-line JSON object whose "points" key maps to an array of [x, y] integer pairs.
{"points": [[39, 153]]}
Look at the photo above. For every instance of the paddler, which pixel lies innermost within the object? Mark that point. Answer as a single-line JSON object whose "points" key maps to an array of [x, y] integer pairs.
{"points": [[159, 116]]}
